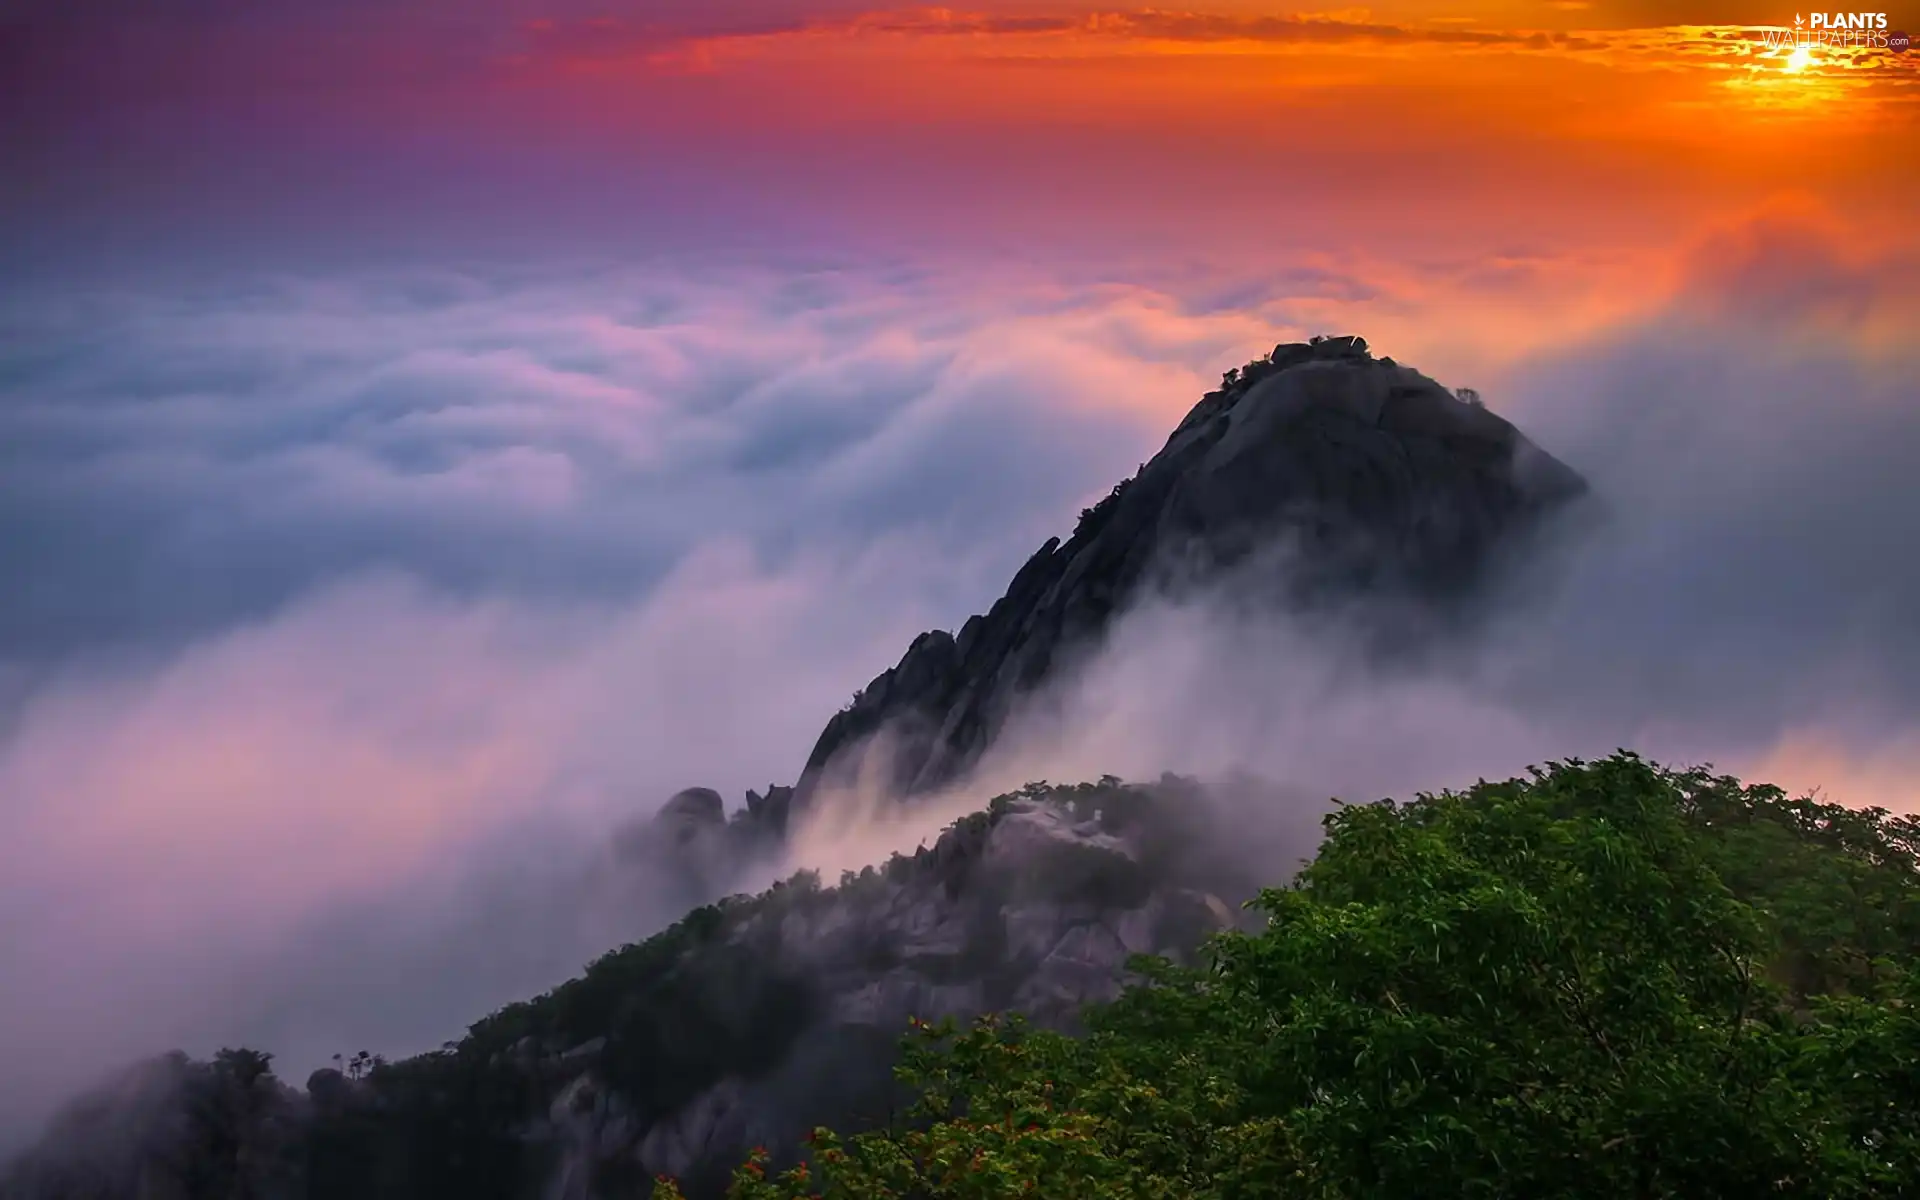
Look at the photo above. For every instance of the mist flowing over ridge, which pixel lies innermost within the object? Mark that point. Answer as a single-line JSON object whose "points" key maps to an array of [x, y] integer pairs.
{"points": [[1341, 481], [1318, 479]]}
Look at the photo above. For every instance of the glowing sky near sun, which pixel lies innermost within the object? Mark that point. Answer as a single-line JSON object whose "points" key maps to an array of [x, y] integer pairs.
{"points": [[1571, 122]]}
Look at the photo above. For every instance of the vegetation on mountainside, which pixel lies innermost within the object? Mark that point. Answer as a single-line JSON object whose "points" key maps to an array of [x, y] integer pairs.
{"points": [[1094, 515], [668, 1018], [671, 1015], [1606, 979]]}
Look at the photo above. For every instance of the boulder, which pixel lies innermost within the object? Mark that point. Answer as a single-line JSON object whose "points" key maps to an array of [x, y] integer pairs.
{"points": [[693, 809]]}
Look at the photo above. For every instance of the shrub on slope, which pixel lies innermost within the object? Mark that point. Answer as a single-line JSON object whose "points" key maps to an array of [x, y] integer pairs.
{"points": [[1606, 979]]}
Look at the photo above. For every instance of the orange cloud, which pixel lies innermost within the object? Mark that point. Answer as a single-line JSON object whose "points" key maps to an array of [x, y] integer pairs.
{"points": [[1808, 762], [1711, 93], [1795, 266], [1072, 33]]}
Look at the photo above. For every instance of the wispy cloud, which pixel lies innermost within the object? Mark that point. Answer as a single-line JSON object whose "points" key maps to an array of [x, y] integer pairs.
{"points": [[1077, 30], [274, 49]]}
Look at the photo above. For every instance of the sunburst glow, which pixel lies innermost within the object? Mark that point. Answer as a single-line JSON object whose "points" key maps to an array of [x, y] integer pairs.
{"points": [[1800, 59]]}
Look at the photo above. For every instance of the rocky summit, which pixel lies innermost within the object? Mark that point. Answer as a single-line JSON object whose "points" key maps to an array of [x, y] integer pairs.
{"points": [[1351, 475], [1322, 472]]}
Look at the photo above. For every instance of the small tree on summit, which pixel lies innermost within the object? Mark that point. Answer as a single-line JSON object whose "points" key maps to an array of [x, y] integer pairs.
{"points": [[243, 1066]]}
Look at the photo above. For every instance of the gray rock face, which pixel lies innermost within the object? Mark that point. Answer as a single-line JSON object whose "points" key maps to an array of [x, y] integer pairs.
{"points": [[588, 1123], [1035, 906], [1360, 476], [691, 812], [687, 853]]}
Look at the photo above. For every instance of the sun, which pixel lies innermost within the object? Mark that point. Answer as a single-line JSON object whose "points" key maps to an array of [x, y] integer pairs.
{"points": [[1800, 59]]}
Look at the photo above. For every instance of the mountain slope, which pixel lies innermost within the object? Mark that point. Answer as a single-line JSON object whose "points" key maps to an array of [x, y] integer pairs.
{"points": [[1318, 474], [1349, 475], [745, 1023]]}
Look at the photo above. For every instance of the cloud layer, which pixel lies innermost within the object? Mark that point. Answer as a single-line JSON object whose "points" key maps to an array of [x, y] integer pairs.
{"points": [[361, 609], [176, 464]]}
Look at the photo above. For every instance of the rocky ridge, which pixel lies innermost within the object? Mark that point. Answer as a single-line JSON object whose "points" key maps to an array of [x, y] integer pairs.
{"points": [[1033, 905], [1334, 474], [747, 1023], [1354, 475]]}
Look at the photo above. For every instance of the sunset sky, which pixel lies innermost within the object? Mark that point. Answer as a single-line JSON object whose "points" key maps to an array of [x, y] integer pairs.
{"points": [[1536, 130], [434, 431]]}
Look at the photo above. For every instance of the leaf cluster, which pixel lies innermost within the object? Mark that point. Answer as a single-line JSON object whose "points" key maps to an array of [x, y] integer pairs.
{"points": [[1602, 979]]}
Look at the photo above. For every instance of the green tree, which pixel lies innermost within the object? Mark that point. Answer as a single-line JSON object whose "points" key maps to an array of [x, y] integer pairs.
{"points": [[1604, 979]]}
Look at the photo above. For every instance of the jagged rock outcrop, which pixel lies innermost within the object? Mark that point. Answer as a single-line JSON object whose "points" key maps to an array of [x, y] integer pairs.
{"points": [[1034, 905], [690, 836], [1361, 476], [692, 812]]}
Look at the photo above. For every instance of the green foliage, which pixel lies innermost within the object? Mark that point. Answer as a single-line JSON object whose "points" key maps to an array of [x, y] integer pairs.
{"points": [[1092, 518], [1241, 379], [679, 1012], [1606, 979], [242, 1067]]}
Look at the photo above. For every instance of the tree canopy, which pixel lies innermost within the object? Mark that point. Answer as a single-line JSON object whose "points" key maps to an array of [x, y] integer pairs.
{"points": [[1603, 979]]}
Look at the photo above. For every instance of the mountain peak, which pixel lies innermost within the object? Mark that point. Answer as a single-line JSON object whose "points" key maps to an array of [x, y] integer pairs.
{"points": [[1363, 475], [752, 1020]]}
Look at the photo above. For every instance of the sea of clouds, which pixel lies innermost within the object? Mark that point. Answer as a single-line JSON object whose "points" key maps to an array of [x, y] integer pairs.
{"points": [[345, 616]]}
